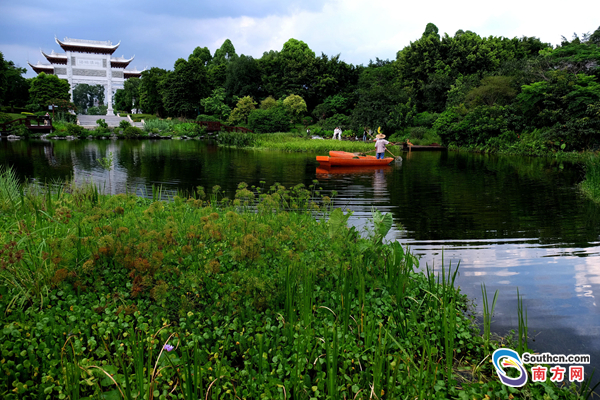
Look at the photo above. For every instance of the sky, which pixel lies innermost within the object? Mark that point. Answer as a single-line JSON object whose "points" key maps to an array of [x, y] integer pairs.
{"points": [[157, 33]]}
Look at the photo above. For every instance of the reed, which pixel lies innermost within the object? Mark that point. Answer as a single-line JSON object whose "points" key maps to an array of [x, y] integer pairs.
{"points": [[591, 184], [522, 321], [488, 312]]}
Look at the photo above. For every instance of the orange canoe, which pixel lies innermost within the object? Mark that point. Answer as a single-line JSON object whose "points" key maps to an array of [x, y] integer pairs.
{"points": [[345, 154], [353, 162]]}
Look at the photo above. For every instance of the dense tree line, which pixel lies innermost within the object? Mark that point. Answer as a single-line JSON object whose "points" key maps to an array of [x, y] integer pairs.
{"points": [[470, 90]]}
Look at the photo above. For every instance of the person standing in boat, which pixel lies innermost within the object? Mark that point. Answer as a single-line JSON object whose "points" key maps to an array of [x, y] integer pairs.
{"points": [[380, 145]]}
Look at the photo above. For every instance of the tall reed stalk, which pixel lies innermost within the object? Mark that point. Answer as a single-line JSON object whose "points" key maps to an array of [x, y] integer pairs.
{"points": [[488, 312], [522, 320]]}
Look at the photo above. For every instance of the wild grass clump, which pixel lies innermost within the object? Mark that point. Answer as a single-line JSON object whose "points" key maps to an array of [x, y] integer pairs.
{"points": [[291, 143], [160, 124], [591, 185], [209, 297]]}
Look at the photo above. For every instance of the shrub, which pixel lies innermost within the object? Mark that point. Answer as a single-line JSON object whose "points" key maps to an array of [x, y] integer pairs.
{"points": [[5, 118], [274, 119], [158, 124], [95, 111], [133, 132], [417, 132], [102, 123], [140, 117], [124, 124], [426, 119], [341, 120], [243, 108], [76, 130], [472, 127], [190, 129], [204, 117], [20, 130], [238, 139]]}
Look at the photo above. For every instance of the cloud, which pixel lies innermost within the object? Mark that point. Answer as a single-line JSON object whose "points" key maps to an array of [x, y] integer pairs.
{"points": [[359, 30]]}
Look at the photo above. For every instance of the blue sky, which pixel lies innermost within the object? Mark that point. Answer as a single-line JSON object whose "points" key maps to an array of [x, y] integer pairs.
{"points": [[160, 32]]}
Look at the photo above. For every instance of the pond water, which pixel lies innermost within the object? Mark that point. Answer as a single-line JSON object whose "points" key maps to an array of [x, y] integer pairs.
{"points": [[510, 222]]}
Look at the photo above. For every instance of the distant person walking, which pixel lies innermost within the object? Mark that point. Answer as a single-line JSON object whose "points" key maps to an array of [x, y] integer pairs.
{"points": [[380, 145], [337, 132], [365, 134]]}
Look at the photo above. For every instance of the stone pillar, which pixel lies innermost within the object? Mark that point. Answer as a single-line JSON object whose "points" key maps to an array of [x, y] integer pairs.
{"points": [[109, 93], [70, 59]]}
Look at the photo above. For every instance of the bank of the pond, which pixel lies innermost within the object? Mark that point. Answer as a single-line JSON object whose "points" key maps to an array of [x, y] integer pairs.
{"points": [[591, 184], [294, 142], [121, 296]]}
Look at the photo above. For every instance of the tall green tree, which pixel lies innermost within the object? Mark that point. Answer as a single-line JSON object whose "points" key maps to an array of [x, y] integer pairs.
{"points": [[298, 65], [215, 104], [14, 88], [271, 71], [223, 55], [243, 78], [151, 100], [128, 98], [202, 54], [378, 95], [45, 87], [85, 96], [183, 88], [431, 64], [333, 77]]}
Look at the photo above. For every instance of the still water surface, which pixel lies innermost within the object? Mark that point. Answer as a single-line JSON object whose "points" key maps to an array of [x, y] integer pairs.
{"points": [[511, 222]]}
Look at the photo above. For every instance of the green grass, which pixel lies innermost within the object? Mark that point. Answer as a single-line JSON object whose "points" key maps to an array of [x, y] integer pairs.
{"points": [[292, 142], [256, 296], [591, 185]]}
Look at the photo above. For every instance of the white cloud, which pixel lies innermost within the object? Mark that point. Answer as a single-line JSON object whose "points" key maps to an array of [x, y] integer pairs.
{"points": [[360, 30]]}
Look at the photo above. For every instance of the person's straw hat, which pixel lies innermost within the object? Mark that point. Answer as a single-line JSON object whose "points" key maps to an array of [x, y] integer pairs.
{"points": [[380, 136]]}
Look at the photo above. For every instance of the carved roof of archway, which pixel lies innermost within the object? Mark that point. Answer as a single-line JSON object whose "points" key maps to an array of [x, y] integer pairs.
{"points": [[87, 46]]}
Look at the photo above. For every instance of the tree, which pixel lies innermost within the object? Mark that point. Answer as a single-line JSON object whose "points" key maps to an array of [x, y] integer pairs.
{"points": [[202, 54], [183, 88], [333, 77], [431, 29], [242, 110], [295, 106], [271, 74], [243, 77], [150, 97], [131, 88], [493, 89], [275, 119], [299, 68], [86, 96], [267, 103], [217, 76], [378, 94], [14, 89], [431, 64], [215, 104], [45, 87], [223, 55]]}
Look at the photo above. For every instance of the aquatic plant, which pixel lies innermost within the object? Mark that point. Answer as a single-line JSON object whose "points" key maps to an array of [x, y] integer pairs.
{"points": [[204, 297]]}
